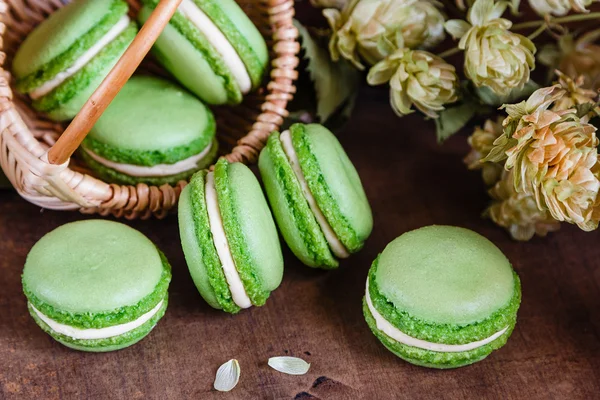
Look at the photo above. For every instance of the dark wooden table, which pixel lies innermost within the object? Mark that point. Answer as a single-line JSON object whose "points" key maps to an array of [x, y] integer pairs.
{"points": [[554, 351]]}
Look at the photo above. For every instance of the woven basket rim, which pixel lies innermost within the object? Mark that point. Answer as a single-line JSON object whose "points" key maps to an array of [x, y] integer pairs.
{"points": [[25, 136]]}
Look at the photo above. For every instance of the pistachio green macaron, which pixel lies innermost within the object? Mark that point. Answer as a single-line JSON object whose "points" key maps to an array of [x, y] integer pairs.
{"points": [[442, 297], [212, 48], [153, 132], [229, 238], [316, 195], [96, 285], [64, 60]]}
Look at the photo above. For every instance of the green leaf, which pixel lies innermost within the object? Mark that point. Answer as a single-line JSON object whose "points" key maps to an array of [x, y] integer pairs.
{"points": [[335, 83], [453, 119], [487, 95], [498, 153]]}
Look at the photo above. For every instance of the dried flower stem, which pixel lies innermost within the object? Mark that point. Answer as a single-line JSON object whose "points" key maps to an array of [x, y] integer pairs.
{"points": [[561, 20], [537, 32], [449, 52]]}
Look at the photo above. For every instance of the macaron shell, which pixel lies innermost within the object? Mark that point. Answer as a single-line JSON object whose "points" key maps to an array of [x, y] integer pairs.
{"points": [[294, 217], [241, 33], [250, 230], [445, 275], [176, 53], [200, 253], [64, 102], [63, 29], [191, 248], [151, 114], [200, 47], [108, 344], [74, 267], [334, 183]]}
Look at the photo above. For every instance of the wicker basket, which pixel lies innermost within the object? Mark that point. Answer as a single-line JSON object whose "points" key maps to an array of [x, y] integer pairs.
{"points": [[26, 136]]}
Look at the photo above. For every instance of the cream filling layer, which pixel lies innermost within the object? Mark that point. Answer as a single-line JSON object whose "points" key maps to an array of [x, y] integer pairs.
{"points": [[238, 293], [99, 333], [82, 61], [160, 170], [336, 246], [217, 39], [403, 338]]}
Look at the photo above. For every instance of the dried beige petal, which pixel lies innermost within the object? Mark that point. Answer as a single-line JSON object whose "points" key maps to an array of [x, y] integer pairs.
{"points": [[289, 365], [228, 376]]}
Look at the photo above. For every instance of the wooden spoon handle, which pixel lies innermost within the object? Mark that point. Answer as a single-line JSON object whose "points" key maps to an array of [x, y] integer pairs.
{"points": [[77, 130]]}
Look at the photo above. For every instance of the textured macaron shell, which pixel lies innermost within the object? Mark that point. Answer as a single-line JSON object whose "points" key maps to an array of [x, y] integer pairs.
{"points": [[294, 217], [250, 230], [66, 100], [445, 275], [176, 53], [92, 267], [64, 32], [241, 33], [334, 183], [184, 61], [197, 243], [152, 121]]}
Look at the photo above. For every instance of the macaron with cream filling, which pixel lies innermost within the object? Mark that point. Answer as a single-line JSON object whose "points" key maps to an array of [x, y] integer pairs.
{"points": [[229, 238], [63, 60], [153, 132], [96, 285], [442, 297], [212, 48], [316, 195]]}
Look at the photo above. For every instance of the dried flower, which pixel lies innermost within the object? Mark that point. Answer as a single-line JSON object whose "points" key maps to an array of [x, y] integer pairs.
{"points": [[518, 212], [559, 7], [574, 95], [482, 142], [494, 56], [554, 156], [339, 4], [370, 30], [416, 77], [575, 58]]}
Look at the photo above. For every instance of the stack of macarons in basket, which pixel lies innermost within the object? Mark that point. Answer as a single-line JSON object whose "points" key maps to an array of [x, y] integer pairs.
{"points": [[440, 297], [155, 131]]}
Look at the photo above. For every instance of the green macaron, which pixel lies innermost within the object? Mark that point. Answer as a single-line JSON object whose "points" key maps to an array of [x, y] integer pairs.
{"points": [[96, 285], [64, 60], [316, 195], [153, 132], [212, 48], [442, 297], [229, 238]]}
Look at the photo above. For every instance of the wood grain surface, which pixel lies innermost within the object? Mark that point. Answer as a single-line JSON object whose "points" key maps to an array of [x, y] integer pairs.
{"points": [[554, 352]]}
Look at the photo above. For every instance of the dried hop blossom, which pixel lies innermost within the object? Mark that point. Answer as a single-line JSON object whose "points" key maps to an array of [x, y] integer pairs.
{"points": [[554, 157], [575, 58], [575, 95], [559, 7], [370, 30], [416, 77], [518, 212], [494, 56], [482, 142]]}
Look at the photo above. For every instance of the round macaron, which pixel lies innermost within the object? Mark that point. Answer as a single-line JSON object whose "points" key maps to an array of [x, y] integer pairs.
{"points": [[212, 48], [96, 285], [64, 60], [316, 195], [229, 238], [442, 297], [153, 132]]}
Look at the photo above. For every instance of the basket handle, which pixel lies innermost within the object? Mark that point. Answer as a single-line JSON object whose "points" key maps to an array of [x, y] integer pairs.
{"points": [[77, 130]]}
